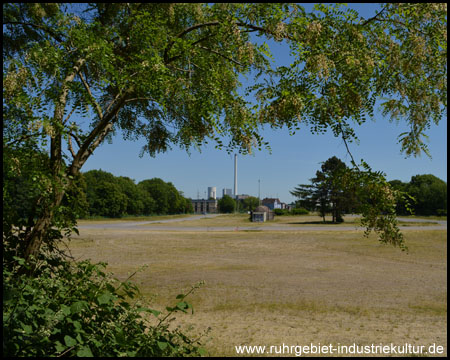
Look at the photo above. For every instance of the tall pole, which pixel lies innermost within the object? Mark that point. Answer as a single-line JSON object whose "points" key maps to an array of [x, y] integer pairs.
{"points": [[259, 191], [235, 177]]}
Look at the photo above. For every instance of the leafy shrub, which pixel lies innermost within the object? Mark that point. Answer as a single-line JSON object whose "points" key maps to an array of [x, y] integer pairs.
{"points": [[76, 309], [227, 204], [299, 211]]}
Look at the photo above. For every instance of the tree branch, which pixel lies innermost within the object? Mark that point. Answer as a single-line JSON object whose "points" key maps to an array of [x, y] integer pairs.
{"points": [[70, 114], [346, 146], [213, 23], [70, 146], [40, 27], [218, 53], [98, 109], [77, 140], [373, 18], [23, 137], [181, 34], [97, 135]]}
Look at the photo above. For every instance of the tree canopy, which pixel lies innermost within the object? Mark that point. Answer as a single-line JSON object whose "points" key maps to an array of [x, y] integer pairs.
{"points": [[226, 204], [338, 188], [429, 195], [250, 203], [328, 191], [74, 75]]}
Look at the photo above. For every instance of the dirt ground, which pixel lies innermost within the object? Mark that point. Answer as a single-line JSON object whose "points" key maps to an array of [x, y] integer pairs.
{"points": [[293, 288]]}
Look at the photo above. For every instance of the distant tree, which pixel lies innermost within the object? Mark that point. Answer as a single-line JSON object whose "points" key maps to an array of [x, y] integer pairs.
{"points": [[104, 194], [430, 194], [313, 197], [402, 205], [250, 203], [166, 199], [187, 206], [176, 202], [135, 195], [157, 190], [227, 204], [148, 202], [327, 192]]}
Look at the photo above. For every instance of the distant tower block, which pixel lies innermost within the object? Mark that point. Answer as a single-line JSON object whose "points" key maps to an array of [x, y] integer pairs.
{"points": [[212, 192], [228, 192]]}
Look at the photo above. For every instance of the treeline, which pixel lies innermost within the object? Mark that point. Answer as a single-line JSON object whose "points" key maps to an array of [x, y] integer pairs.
{"points": [[117, 196], [333, 191], [429, 193], [93, 193]]}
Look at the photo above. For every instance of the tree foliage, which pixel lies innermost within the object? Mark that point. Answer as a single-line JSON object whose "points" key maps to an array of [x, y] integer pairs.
{"points": [[104, 194], [167, 199], [428, 192], [77, 309], [250, 203], [327, 192], [226, 204], [338, 188], [113, 196]]}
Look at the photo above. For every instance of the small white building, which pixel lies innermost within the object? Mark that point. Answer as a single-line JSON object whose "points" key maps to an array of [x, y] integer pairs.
{"points": [[262, 214]]}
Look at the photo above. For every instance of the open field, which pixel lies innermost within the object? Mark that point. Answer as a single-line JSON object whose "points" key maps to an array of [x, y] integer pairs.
{"points": [[100, 220], [296, 288], [243, 220]]}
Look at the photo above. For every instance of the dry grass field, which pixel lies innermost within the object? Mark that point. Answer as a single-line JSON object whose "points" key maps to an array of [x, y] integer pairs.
{"points": [[294, 288], [241, 220]]}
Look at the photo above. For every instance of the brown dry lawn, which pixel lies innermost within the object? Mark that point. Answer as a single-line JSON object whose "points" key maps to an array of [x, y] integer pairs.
{"points": [[294, 288], [243, 220]]}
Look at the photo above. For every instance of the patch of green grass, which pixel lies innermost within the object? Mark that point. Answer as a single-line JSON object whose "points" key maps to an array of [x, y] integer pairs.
{"points": [[441, 218], [430, 308]]}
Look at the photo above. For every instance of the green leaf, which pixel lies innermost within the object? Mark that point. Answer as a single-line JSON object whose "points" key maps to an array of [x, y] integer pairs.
{"points": [[154, 312], [59, 347], [182, 306], [27, 329], [162, 345], [77, 307], [21, 261], [69, 341], [79, 339], [85, 351], [105, 298]]}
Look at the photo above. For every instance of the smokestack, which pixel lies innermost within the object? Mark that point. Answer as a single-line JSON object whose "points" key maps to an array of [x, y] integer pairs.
{"points": [[235, 176]]}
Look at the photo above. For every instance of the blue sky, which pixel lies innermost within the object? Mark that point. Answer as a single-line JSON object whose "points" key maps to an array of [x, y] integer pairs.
{"points": [[293, 160]]}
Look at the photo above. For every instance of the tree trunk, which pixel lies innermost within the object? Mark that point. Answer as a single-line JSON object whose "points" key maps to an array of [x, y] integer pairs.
{"points": [[34, 239]]}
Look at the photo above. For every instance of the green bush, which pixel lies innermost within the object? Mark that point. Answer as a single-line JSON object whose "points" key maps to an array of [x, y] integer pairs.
{"points": [[76, 309], [441, 212], [227, 204], [299, 211]]}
